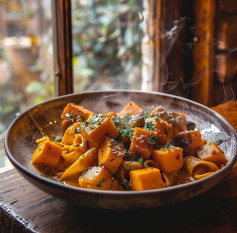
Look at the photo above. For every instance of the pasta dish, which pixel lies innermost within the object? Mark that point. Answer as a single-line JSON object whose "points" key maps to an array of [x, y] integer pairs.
{"points": [[127, 150]]}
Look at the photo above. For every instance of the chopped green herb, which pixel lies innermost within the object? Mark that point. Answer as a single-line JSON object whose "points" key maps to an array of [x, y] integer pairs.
{"points": [[101, 182], [141, 161], [153, 139], [58, 138], [96, 119], [175, 119], [127, 118], [117, 121], [128, 167], [70, 116], [147, 115], [126, 151], [149, 125], [166, 145], [126, 132], [78, 130]]}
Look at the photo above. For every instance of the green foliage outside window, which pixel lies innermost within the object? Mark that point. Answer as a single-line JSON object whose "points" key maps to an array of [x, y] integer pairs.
{"points": [[106, 41]]}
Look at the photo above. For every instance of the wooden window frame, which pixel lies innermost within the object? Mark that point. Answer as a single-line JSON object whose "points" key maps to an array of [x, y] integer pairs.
{"points": [[63, 52], [204, 15]]}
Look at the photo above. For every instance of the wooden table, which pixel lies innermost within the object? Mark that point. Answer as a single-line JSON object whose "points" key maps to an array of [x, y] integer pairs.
{"points": [[24, 208]]}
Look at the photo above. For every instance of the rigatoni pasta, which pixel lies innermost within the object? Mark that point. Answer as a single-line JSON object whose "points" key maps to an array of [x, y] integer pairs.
{"points": [[126, 150]]}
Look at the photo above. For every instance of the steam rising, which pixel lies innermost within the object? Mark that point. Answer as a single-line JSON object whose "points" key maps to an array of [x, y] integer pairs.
{"points": [[169, 80]]}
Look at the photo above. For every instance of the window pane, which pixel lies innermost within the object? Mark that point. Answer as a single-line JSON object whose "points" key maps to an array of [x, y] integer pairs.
{"points": [[107, 38], [26, 58]]}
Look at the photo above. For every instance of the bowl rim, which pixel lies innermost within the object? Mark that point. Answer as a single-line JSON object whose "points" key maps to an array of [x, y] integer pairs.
{"points": [[60, 185]]}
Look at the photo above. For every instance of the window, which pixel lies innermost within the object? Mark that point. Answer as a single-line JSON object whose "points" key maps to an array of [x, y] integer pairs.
{"points": [[26, 58]]}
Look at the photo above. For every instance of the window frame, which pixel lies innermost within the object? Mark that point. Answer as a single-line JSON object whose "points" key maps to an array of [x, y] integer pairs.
{"points": [[62, 42]]}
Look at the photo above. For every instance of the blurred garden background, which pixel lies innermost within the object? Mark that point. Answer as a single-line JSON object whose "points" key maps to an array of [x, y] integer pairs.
{"points": [[107, 41]]}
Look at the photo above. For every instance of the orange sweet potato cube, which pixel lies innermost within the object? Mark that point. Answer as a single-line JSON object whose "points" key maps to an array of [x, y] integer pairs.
{"points": [[141, 142], [47, 155], [163, 131], [76, 113], [212, 153], [168, 159], [111, 155], [130, 108], [98, 178], [159, 112], [145, 179], [177, 120], [190, 141], [97, 129]]}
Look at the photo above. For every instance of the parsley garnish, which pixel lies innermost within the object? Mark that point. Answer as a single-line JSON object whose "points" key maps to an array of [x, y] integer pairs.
{"points": [[127, 118], [166, 145], [153, 139], [58, 138], [149, 125], [126, 151], [70, 116], [78, 130], [117, 121], [101, 182], [128, 167], [141, 161], [147, 115], [175, 119], [96, 119], [126, 132]]}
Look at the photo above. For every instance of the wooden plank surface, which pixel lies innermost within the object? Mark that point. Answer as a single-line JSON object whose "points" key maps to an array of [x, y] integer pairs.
{"points": [[24, 208], [228, 111]]}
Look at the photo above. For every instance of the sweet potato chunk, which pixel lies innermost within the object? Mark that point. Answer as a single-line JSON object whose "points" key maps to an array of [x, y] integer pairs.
{"points": [[147, 178], [47, 155], [159, 112], [97, 129], [130, 108], [98, 178], [75, 113], [141, 142], [110, 155], [168, 159], [178, 121], [190, 141], [212, 153], [161, 129], [71, 175]]}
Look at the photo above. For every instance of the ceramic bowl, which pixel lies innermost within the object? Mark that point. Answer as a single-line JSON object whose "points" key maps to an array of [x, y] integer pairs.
{"points": [[26, 129]]}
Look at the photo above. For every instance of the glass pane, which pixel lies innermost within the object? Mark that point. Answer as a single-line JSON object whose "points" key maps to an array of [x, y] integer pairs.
{"points": [[107, 37], [26, 59]]}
